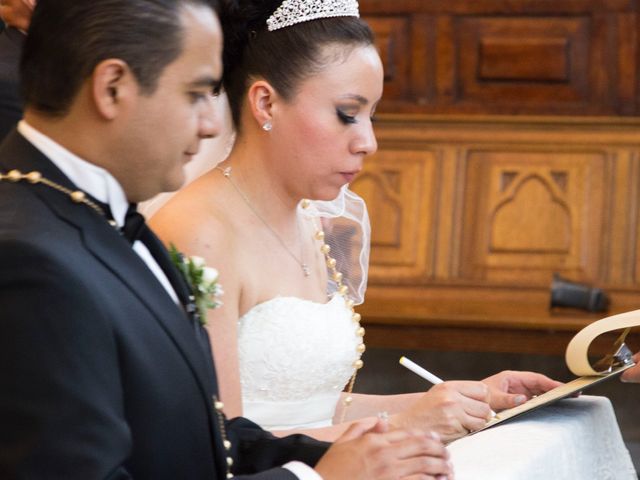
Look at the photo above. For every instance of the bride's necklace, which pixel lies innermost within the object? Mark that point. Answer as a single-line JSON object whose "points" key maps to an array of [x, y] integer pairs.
{"points": [[300, 261]]}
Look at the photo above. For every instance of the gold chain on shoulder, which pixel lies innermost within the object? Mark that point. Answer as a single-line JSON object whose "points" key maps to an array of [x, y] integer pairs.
{"points": [[76, 196]]}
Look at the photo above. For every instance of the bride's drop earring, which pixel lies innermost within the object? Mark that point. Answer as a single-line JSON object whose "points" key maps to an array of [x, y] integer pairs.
{"points": [[267, 126]]}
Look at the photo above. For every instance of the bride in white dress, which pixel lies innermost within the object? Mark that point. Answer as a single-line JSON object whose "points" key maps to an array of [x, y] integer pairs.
{"points": [[297, 355], [287, 341]]}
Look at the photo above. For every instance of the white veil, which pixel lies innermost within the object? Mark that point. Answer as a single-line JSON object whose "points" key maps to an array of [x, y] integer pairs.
{"points": [[345, 222]]}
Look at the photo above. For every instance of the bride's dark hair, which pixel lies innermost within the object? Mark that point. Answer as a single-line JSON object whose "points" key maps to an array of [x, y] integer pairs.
{"points": [[283, 57]]}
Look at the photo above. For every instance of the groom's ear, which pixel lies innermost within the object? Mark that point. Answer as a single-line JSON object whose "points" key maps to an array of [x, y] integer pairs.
{"points": [[261, 98], [112, 84]]}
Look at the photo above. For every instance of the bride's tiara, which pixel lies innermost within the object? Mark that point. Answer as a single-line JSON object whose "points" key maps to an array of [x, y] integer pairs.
{"points": [[291, 12]]}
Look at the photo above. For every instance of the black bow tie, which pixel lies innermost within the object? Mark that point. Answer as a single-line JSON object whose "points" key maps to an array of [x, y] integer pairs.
{"points": [[134, 224]]}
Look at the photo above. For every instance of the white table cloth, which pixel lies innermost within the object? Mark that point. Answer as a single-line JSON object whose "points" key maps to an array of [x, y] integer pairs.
{"points": [[576, 438]]}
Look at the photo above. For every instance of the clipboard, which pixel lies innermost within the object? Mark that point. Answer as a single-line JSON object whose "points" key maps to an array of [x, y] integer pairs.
{"points": [[619, 359]]}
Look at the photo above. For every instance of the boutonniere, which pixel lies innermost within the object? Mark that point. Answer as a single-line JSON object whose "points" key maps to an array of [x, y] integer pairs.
{"points": [[203, 281]]}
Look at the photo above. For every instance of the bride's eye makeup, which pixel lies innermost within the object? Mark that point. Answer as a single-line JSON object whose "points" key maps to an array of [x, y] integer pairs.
{"points": [[345, 118], [351, 107]]}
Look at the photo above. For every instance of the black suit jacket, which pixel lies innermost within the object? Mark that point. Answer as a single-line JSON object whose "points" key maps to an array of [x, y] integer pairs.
{"points": [[101, 374], [11, 41]]}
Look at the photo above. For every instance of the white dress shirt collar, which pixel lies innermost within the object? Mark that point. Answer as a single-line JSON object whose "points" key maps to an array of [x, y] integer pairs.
{"points": [[90, 178], [97, 182]]}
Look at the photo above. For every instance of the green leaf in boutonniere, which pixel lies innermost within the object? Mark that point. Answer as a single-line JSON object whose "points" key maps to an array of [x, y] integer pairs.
{"points": [[202, 280]]}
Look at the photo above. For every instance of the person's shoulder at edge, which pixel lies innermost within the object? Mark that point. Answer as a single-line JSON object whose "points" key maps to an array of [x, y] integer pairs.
{"points": [[196, 219]]}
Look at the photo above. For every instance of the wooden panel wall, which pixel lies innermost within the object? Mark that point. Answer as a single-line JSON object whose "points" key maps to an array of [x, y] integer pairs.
{"points": [[508, 151], [472, 215], [536, 57]]}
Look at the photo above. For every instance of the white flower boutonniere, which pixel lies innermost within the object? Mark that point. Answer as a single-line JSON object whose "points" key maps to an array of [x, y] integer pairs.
{"points": [[203, 281]]}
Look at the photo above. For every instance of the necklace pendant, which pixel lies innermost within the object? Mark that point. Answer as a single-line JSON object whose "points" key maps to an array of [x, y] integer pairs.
{"points": [[305, 269]]}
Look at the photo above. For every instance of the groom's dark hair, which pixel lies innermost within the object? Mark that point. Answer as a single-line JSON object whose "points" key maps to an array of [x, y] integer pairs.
{"points": [[67, 39]]}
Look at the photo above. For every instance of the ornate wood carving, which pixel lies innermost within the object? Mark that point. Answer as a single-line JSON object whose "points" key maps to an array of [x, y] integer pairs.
{"points": [[471, 216], [398, 187], [526, 211]]}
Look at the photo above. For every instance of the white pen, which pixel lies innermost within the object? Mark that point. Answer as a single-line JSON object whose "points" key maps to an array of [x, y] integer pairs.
{"points": [[427, 375], [418, 370]]}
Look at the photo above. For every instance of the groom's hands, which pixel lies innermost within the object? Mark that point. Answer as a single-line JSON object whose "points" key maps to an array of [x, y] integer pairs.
{"points": [[364, 452]]}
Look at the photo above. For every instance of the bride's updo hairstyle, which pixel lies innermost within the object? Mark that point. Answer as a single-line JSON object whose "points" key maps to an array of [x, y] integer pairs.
{"points": [[283, 57]]}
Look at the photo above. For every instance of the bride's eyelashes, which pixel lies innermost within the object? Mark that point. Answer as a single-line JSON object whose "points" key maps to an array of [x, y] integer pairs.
{"points": [[345, 118]]}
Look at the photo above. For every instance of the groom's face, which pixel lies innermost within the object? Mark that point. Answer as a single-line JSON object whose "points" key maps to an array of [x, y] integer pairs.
{"points": [[166, 127]]}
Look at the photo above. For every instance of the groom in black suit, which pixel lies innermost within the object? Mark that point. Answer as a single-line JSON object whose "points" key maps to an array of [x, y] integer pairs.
{"points": [[104, 371]]}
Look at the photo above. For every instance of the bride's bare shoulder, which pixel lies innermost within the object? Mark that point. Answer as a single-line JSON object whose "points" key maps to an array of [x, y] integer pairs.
{"points": [[198, 218]]}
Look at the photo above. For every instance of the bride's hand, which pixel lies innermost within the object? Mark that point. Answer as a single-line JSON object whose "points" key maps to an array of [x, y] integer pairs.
{"points": [[378, 453], [509, 389], [451, 409]]}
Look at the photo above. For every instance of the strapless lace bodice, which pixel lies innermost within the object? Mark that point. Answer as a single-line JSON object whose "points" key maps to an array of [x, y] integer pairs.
{"points": [[295, 358]]}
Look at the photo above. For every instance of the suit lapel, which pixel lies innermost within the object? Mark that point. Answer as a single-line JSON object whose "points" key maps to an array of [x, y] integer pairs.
{"points": [[116, 253], [112, 250]]}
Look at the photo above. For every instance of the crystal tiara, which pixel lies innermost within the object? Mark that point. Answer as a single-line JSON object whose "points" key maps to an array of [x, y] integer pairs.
{"points": [[291, 12]]}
